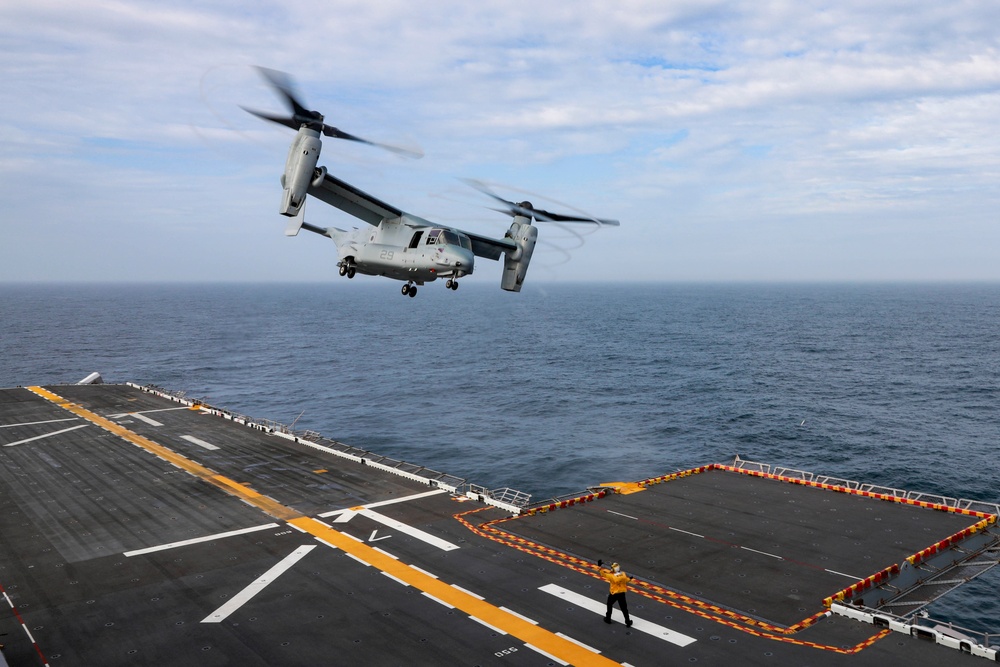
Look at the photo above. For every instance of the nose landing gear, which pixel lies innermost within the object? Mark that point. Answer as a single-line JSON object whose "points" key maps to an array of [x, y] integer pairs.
{"points": [[451, 284], [410, 290]]}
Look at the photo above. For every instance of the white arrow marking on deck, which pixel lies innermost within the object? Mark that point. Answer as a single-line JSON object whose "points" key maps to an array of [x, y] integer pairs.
{"points": [[143, 418], [257, 586], [376, 539], [639, 624], [350, 512], [432, 540], [47, 435]]}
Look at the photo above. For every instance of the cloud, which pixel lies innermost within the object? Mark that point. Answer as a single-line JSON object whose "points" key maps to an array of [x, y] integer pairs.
{"points": [[731, 134]]}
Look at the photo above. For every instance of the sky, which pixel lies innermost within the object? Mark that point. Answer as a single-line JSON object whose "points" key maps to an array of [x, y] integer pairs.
{"points": [[736, 141]]}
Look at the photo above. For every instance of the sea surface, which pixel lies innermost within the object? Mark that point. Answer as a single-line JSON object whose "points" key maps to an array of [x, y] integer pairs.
{"points": [[568, 385]]}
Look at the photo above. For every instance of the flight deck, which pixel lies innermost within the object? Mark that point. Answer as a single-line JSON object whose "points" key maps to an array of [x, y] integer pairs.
{"points": [[137, 527]]}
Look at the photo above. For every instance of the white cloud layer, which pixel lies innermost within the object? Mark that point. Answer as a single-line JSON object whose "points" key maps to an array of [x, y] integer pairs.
{"points": [[735, 140]]}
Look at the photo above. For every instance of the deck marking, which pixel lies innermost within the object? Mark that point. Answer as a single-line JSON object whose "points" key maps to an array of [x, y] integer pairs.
{"points": [[20, 620], [396, 579], [686, 532], [380, 503], [420, 569], [577, 641], [529, 620], [468, 592], [196, 540], [601, 608], [47, 435], [143, 418], [432, 540], [624, 515], [47, 421], [561, 649], [482, 622], [763, 553], [324, 542], [547, 655], [376, 539], [257, 586], [233, 488], [470, 604], [198, 441], [441, 602], [144, 412], [845, 575]]}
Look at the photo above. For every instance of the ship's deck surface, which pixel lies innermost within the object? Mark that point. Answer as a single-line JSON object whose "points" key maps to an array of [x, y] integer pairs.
{"points": [[134, 530]]}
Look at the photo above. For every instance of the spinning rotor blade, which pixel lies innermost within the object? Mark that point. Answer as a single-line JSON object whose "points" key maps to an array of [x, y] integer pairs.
{"points": [[526, 209], [282, 84]]}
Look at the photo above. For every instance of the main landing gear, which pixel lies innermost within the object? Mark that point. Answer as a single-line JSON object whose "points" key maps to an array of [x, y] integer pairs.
{"points": [[410, 290], [347, 269]]}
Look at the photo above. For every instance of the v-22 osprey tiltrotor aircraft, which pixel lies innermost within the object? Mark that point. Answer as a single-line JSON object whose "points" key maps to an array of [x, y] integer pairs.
{"points": [[398, 245]]}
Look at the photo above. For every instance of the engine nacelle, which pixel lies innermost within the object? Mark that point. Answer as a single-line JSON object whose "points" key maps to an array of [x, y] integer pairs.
{"points": [[302, 157], [515, 264], [319, 175]]}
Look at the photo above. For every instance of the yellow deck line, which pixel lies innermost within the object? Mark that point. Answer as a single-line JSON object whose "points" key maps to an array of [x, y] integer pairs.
{"points": [[232, 487], [513, 625], [553, 644]]}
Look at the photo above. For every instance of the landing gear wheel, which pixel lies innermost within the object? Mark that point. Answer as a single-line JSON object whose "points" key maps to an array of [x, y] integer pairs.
{"points": [[343, 269], [413, 291], [454, 285], [449, 283], [406, 289], [351, 271]]}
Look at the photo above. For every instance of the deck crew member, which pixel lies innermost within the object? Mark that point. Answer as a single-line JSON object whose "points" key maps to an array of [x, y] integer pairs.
{"points": [[619, 584]]}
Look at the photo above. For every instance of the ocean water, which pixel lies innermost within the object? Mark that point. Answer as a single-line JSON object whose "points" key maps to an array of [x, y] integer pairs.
{"points": [[568, 385]]}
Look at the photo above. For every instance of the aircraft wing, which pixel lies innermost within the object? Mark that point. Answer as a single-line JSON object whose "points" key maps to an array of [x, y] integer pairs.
{"points": [[372, 210], [349, 199], [490, 248]]}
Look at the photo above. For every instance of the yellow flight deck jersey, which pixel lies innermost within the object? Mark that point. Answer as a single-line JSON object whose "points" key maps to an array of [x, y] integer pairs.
{"points": [[618, 580]]}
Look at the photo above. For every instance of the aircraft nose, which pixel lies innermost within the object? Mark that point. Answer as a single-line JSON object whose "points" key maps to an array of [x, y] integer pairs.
{"points": [[460, 258], [464, 259]]}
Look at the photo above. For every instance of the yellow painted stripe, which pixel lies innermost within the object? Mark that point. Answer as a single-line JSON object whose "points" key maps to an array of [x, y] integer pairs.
{"points": [[232, 487], [551, 643]]}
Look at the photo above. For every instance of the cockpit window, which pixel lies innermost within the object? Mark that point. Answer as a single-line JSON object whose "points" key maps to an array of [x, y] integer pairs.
{"points": [[449, 237]]}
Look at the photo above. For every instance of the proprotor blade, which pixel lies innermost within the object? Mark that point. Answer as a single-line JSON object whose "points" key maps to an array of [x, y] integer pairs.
{"points": [[287, 121], [337, 133], [526, 209], [558, 217], [283, 84]]}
